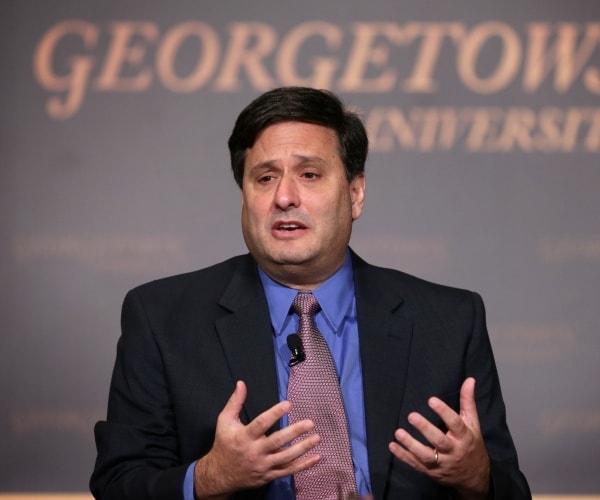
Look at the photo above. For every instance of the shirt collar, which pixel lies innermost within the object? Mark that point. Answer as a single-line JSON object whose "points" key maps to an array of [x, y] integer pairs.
{"points": [[335, 297]]}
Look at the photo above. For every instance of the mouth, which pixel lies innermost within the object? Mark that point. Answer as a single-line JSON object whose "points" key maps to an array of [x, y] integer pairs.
{"points": [[285, 226], [288, 226]]}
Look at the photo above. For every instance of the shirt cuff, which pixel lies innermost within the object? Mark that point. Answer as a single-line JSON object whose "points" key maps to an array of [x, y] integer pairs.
{"points": [[188, 483]]}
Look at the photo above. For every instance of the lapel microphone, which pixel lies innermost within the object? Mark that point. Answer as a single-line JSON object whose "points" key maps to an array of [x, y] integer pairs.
{"points": [[294, 343]]}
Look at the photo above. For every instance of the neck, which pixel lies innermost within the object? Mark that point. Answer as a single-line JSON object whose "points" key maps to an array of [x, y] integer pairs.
{"points": [[299, 277]]}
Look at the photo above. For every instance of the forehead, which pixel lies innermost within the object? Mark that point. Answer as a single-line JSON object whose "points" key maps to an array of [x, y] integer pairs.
{"points": [[294, 139]]}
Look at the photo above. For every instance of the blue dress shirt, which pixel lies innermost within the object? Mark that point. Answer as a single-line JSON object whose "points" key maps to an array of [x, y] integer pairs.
{"points": [[337, 322]]}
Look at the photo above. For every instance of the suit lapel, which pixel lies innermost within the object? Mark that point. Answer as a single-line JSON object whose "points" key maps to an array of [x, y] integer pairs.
{"points": [[246, 336], [385, 339]]}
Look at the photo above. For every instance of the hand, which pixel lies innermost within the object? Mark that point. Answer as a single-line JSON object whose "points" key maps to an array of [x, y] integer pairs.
{"points": [[457, 458], [243, 457]]}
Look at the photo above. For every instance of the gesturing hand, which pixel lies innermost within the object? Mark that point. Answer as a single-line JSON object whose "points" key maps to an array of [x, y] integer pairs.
{"points": [[243, 456], [457, 458]]}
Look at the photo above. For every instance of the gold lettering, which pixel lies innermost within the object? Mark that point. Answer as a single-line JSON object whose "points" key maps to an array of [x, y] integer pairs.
{"points": [[424, 129], [592, 140], [563, 130], [483, 127], [366, 53], [323, 67], [548, 137], [75, 82], [429, 119], [571, 129], [558, 55], [591, 76], [207, 61], [386, 126], [241, 53], [470, 49], [516, 132], [421, 77], [123, 50], [451, 128], [566, 58]]}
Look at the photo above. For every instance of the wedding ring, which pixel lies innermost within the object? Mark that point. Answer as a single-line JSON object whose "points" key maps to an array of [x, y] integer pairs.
{"points": [[437, 457]]}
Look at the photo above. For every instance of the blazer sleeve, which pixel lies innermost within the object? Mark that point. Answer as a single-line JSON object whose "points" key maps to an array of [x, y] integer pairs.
{"points": [[137, 444], [507, 481]]}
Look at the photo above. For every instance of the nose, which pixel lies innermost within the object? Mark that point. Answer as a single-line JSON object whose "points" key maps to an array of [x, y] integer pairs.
{"points": [[287, 195]]}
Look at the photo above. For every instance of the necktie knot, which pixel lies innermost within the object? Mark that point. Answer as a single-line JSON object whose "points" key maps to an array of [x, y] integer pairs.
{"points": [[305, 303]]}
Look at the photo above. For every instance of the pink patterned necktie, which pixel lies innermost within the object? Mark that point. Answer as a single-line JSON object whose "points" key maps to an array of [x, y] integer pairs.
{"points": [[314, 392]]}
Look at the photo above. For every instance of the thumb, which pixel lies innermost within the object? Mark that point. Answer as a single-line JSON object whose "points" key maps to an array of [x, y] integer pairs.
{"points": [[236, 401], [468, 408]]}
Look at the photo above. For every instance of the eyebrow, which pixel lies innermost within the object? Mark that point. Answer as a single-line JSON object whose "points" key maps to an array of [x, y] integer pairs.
{"points": [[301, 159]]}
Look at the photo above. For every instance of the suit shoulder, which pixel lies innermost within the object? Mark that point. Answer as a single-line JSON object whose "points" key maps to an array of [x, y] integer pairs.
{"points": [[209, 281], [418, 283], [410, 287]]}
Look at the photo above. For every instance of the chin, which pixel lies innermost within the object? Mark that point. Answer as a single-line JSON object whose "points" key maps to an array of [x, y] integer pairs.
{"points": [[291, 256], [290, 260]]}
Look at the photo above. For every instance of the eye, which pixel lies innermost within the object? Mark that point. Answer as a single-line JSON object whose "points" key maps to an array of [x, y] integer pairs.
{"points": [[265, 178], [310, 175]]}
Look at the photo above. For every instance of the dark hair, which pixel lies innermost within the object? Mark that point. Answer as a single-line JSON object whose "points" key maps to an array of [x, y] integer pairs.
{"points": [[299, 104]]}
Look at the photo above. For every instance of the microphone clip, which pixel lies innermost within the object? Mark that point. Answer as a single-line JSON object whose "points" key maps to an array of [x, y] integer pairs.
{"points": [[294, 343]]}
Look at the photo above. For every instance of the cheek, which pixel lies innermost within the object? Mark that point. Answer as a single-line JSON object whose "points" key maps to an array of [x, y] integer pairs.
{"points": [[345, 207], [333, 217], [252, 211]]}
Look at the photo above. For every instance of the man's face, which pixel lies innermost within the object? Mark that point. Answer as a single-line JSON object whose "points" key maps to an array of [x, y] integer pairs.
{"points": [[297, 204]]}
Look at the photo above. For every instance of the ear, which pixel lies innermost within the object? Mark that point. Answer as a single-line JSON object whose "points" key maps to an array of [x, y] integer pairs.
{"points": [[357, 195]]}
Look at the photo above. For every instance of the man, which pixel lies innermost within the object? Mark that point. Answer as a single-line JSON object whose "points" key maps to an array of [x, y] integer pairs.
{"points": [[198, 402]]}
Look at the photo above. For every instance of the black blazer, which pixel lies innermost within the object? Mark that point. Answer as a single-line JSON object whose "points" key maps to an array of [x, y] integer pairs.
{"points": [[186, 340]]}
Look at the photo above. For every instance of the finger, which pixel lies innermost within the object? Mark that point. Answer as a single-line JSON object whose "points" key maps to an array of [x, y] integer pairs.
{"points": [[297, 465], [263, 422], [423, 453], [468, 407], [433, 434], [301, 447], [285, 436], [452, 420], [407, 457], [234, 405]]}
